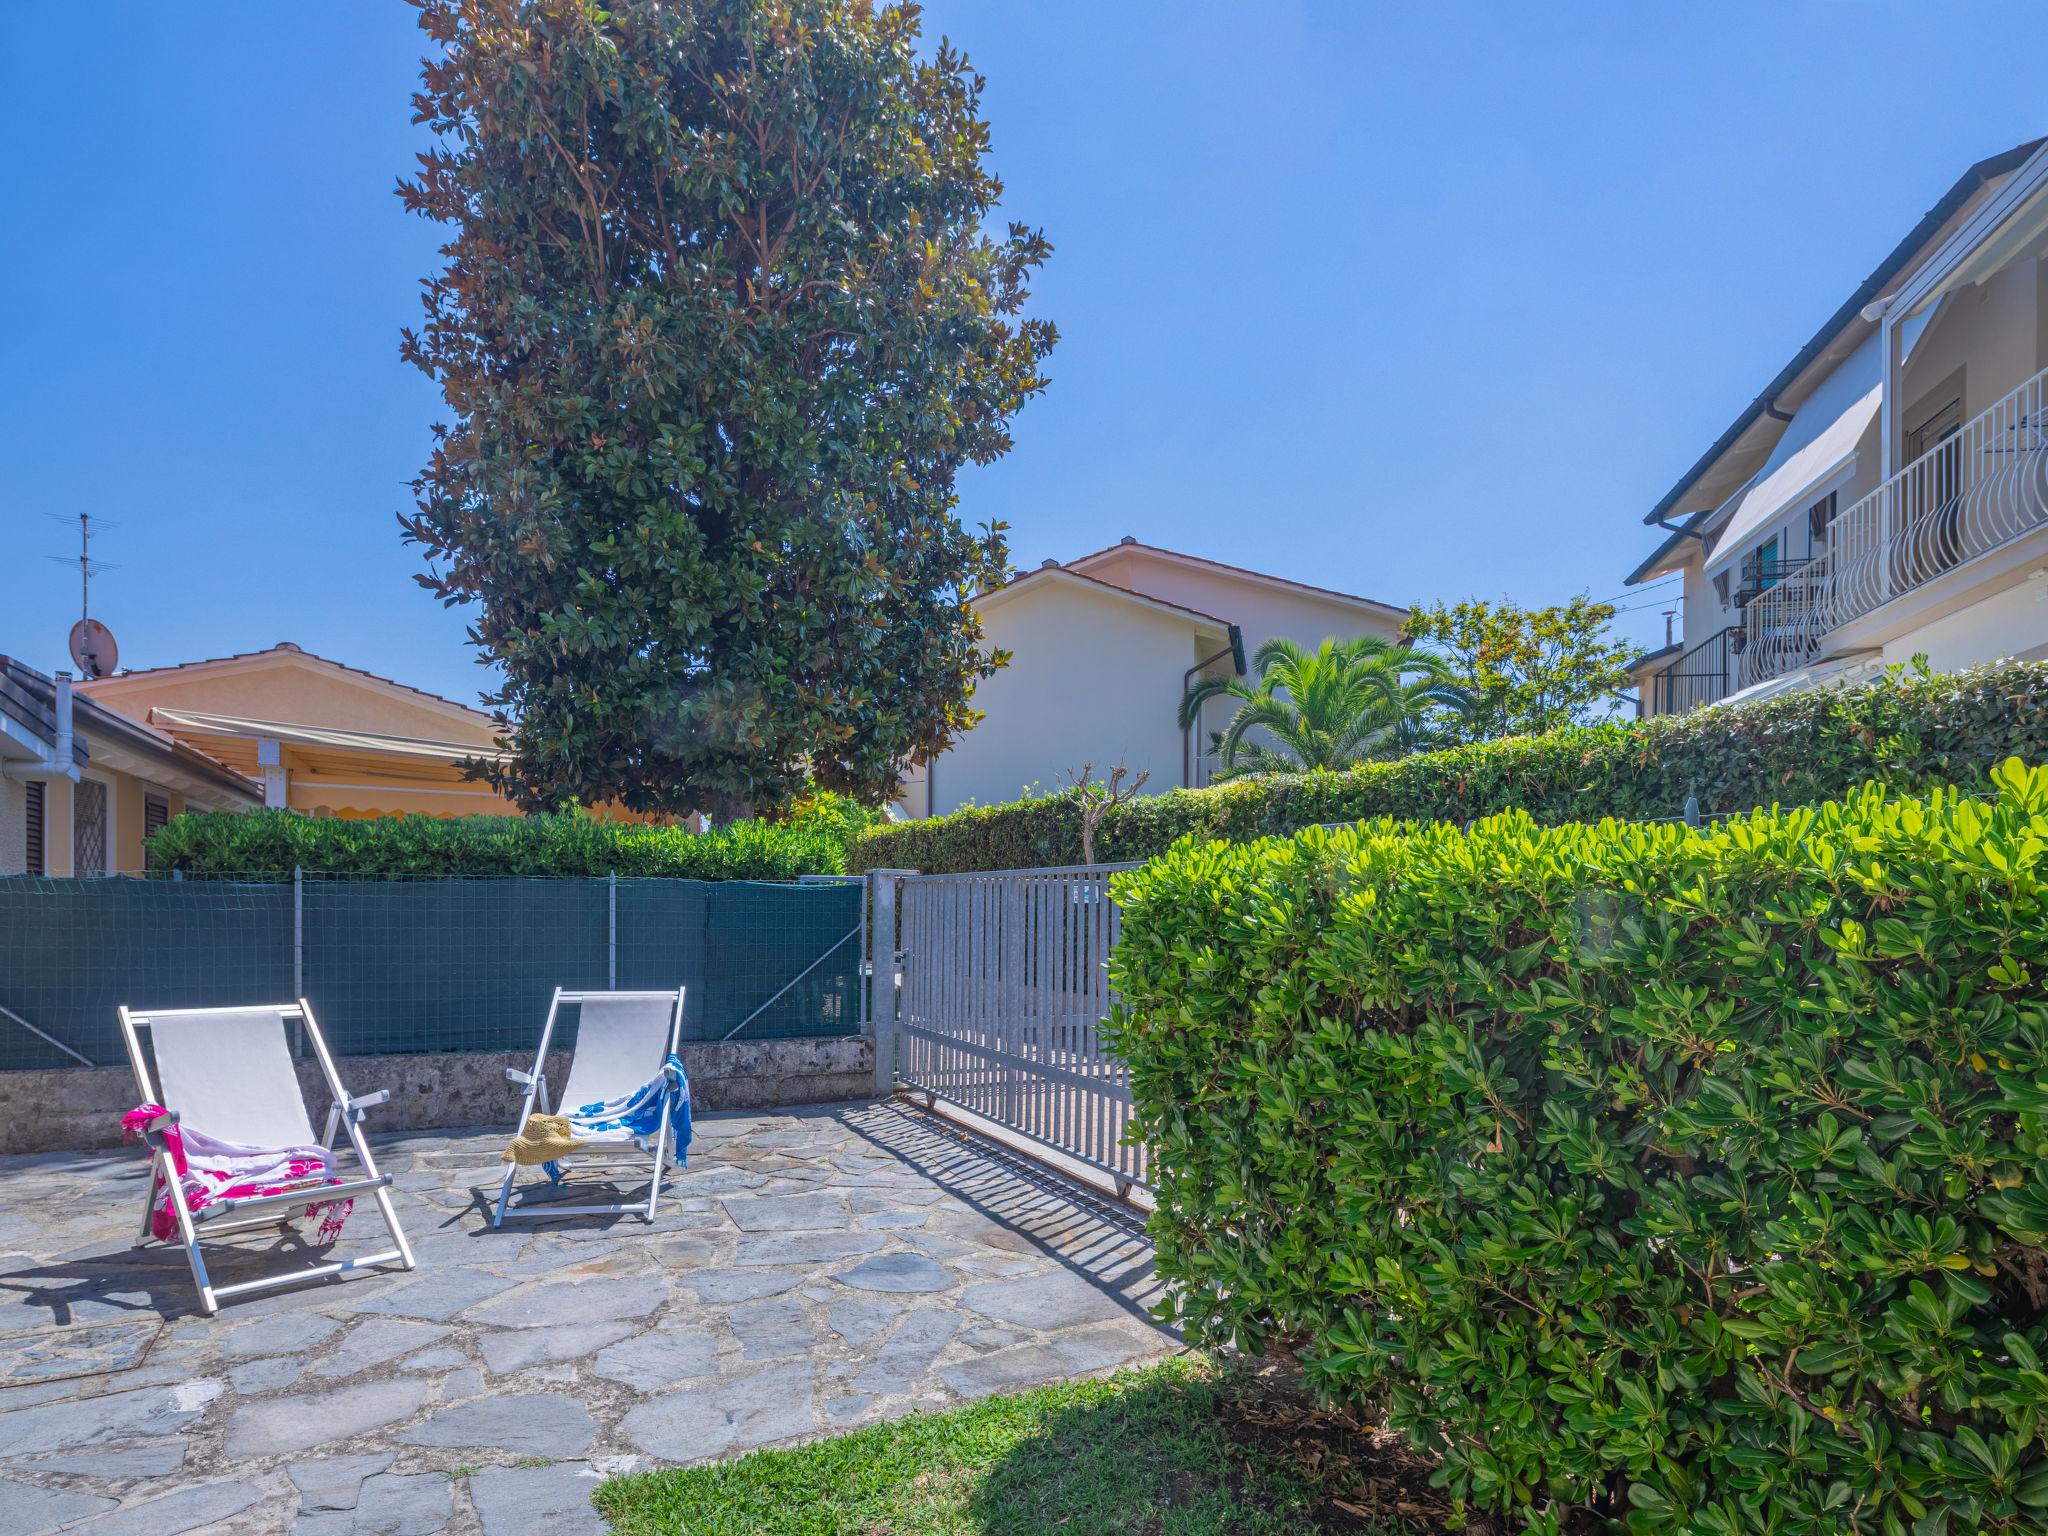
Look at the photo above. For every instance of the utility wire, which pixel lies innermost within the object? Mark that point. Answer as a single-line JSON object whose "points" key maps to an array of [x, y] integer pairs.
{"points": [[1652, 586]]}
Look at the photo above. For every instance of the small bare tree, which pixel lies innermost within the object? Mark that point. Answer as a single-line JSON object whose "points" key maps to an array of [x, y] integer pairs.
{"points": [[1098, 797]]}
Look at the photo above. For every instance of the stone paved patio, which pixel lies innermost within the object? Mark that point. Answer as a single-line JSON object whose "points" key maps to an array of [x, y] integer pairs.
{"points": [[816, 1269]]}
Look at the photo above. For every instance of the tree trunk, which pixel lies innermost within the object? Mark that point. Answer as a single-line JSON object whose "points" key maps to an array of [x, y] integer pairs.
{"points": [[725, 807]]}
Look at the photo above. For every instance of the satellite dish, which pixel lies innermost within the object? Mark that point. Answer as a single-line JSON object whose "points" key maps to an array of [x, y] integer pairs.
{"points": [[93, 650]]}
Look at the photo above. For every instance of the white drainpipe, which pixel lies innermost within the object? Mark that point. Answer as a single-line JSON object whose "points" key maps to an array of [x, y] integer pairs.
{"points": [[58, 764]]}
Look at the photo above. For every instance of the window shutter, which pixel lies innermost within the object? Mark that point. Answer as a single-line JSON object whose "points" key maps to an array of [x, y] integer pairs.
{"points": [[34, 864], [156, 810]]}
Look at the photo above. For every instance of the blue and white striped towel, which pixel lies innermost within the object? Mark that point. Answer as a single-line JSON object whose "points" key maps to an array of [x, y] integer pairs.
{"points": [[636, 1118]]}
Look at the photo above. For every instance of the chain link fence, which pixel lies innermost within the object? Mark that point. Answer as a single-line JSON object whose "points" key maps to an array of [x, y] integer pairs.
{"points": [[422, 963]]}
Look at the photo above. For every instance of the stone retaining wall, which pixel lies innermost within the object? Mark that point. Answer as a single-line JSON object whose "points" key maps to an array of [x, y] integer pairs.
{"points": [[80, 1107]]}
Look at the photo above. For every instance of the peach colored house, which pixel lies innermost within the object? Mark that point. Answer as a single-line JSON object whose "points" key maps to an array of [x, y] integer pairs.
{"points": [[81, 786], [316, 736], [1102, 649]]}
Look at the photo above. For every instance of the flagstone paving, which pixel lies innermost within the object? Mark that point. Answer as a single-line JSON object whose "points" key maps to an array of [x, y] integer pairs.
{"points": [[813, 1271]]}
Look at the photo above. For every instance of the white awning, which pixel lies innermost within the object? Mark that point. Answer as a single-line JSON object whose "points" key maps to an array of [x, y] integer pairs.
{"points": [[204, 724], [1827, 454], [1822, 674]]}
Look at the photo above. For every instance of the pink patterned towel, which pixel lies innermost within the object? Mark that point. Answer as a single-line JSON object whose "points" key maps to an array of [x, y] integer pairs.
{"points": [[209, 1171]]}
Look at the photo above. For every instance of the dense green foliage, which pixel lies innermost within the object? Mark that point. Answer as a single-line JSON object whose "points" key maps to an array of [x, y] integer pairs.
{"points": [[1525, 670], [1911, 732], [839, 817], [723, 310], [1692, 1179], [268, 845], [1344, 702]]}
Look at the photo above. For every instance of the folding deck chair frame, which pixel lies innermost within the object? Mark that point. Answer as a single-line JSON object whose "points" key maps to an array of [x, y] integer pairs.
{"points": [[536, 1085], [226, 1216]]}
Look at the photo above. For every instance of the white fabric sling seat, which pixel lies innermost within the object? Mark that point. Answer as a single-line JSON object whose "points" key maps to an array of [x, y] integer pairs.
{"points": [[623, 1040], [228, 1072]]}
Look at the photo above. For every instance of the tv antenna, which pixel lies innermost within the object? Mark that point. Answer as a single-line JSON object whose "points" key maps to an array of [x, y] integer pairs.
{"points": [[93, 650]]}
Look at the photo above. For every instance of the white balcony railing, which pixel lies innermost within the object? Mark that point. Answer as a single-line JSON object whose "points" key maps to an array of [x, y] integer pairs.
{"points": [[1980, 488]]}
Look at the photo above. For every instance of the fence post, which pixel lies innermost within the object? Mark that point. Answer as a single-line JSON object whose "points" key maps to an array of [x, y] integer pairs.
{"points": [[882, 888], [298, 932], [1692, 810], [611, 943]]}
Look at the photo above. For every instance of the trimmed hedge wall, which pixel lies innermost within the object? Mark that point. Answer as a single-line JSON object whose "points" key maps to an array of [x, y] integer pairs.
{"points": [[1695, 1182], [266, 845], [1798, 749]]}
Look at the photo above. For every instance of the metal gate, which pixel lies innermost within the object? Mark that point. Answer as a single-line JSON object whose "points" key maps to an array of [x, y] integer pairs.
{"points": [[1004, 988]]}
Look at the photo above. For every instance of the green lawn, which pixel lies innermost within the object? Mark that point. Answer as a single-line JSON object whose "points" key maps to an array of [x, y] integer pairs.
{"points": [[1180, 1449]]}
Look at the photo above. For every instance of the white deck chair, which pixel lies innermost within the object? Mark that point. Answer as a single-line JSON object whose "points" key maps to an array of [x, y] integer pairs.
{"points": [[228, 1072], [622, 1039]]}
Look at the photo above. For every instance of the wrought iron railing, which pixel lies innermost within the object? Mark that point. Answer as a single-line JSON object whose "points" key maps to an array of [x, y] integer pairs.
{"points": [[1701, 675], [1978, 489]]}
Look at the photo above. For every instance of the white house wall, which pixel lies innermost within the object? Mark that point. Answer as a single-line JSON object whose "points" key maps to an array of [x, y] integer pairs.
{"points": [[1093, 678], [2013, 622]]}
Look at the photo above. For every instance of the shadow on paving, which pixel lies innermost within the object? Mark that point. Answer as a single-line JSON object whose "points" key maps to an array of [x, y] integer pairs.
{"points": [[1099, 1239]]}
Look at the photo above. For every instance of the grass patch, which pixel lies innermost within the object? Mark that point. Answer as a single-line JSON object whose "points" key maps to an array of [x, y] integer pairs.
{"points": [[1179, 1449]]}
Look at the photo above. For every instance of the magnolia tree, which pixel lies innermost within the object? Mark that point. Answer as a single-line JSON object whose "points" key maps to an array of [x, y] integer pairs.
{"points": [[721, 317]]}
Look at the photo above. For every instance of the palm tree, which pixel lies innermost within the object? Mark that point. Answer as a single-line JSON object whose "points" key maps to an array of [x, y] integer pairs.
{"points": [[1342, 703]]}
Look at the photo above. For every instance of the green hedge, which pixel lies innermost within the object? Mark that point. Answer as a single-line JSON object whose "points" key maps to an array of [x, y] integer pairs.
{"points": [[1692, 1181], [267, 845], [1798, 749]]}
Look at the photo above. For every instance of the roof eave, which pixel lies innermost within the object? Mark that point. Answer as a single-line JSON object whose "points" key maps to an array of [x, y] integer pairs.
{"points": [[1108, 588], [1661, 555], [1243, 573]]}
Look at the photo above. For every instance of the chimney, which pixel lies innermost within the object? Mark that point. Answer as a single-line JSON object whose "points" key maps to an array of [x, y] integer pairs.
{"points": [[61, 750]]}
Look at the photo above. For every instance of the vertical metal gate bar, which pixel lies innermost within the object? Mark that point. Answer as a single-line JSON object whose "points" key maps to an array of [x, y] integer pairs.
{"points": [[1005, 989]]}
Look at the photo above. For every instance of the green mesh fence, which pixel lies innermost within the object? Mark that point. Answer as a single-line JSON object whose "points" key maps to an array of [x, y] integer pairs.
{"points": [[420, 964]]}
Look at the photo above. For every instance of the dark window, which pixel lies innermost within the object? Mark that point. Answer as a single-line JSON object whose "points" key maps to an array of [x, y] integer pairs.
{"points": [[156, 810], [1818, 516], [34, 864], [1767, 564]]}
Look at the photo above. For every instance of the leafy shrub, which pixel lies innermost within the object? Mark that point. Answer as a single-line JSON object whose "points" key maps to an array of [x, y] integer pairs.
{"points": [[1798, 749], [1695, 1182], [840, 817], [267, 845]]}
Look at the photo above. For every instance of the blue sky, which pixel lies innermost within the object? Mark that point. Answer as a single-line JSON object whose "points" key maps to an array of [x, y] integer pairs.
{"points": [[1418, 302]]}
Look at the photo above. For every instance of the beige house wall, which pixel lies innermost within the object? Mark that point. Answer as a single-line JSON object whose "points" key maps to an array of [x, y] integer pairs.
{"points": [[57, 827], [13, 826], [126, 794], [1991, 333]]}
